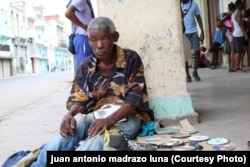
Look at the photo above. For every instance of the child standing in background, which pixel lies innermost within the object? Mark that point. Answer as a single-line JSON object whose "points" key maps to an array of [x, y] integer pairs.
{"points": [[217, 42]]}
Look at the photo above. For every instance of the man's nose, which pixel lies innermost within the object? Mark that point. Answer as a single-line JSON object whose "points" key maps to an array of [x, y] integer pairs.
{"points": [[99, 43]]}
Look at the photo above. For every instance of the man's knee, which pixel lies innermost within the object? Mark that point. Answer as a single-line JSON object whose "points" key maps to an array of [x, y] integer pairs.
{"points": [[132, 127]]}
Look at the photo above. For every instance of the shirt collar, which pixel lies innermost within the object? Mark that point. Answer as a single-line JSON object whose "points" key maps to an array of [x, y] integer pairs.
{"points": [[120, 61]]}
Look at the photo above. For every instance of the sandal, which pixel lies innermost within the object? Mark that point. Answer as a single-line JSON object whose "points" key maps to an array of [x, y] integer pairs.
{"points": [[241, 69]]}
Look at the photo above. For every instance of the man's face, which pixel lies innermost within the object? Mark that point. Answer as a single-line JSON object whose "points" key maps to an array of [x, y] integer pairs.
{"points": [[101, 42]]}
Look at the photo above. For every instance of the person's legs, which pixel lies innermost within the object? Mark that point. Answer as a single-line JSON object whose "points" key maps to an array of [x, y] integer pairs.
{"points": [[229, 61], [82, 48], [195, 43], [212, 49], [238, 49], [187, 55], [130, 128], [196, 65], [87, 50], [237, 60], [242, 57], [232, 65], [92, 144], [248, 54], [228, 52], [215, 55], [187, 72], [245, 47], [59, 143]]}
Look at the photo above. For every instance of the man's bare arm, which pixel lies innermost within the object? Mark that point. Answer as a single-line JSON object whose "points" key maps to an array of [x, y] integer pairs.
{"points": [[70, 14], [199, 20]]}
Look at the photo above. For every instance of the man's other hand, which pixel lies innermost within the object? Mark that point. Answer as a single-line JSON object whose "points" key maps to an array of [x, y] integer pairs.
{"points": [[68, 125], [98, 127]]}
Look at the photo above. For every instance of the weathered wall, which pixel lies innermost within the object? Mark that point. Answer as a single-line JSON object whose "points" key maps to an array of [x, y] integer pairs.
{"points": [[153, 29]]}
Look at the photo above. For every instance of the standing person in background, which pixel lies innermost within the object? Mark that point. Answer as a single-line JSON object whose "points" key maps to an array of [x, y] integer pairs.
{"points": [[227, 22], [187, 51], [191, 11], [246, 24], [80, 13], [239, 34], [217, 42], [247, 20]]}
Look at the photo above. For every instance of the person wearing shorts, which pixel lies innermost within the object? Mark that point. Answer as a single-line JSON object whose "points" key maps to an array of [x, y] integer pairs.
{"points": [[187, 54], [229, 45], [191, 14], [239, 34]]}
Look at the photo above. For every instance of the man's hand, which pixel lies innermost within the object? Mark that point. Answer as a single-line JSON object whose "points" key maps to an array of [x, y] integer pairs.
{"points": [[202, 37], [68, 125], [98, 127]]}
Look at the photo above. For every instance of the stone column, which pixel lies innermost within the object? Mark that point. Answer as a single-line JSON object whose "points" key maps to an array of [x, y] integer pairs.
{"points": [[153, 29]]}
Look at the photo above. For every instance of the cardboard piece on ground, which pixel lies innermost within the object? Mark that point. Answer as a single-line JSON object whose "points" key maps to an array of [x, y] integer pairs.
{"points": [[184, 125]]}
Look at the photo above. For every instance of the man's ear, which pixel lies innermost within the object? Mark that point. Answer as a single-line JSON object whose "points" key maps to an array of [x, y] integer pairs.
{"points": [[116, 36]]}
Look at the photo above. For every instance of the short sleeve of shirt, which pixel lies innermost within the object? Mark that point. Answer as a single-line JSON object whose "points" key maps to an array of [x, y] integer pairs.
{"points": [[80, 5], [83, 13], [197, 10], [189, 19]]}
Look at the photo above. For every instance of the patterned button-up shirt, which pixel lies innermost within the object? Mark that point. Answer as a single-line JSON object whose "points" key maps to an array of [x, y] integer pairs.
{"points": [[125, 85]]}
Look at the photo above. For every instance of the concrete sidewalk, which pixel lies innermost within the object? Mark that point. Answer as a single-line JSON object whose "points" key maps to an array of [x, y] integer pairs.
{"points": [[221, 99]]}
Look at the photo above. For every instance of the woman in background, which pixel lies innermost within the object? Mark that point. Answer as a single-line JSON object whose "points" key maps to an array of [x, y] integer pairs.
{"points": [[227, 22]]}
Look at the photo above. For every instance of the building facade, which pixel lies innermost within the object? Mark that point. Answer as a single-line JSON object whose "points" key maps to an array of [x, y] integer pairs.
{"points": [[30, 41], [6, 34], [59, 56]]}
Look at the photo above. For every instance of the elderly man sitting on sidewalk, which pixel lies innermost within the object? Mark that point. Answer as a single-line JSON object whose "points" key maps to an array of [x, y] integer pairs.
{"points": [[112, 76]]}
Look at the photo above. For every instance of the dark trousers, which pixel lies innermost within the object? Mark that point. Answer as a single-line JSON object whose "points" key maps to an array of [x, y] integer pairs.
{"points": [[215, 50]]}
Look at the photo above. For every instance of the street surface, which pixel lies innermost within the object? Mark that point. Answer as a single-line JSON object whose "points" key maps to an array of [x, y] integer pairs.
{"points": [[19, 92], [31, 110]]}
